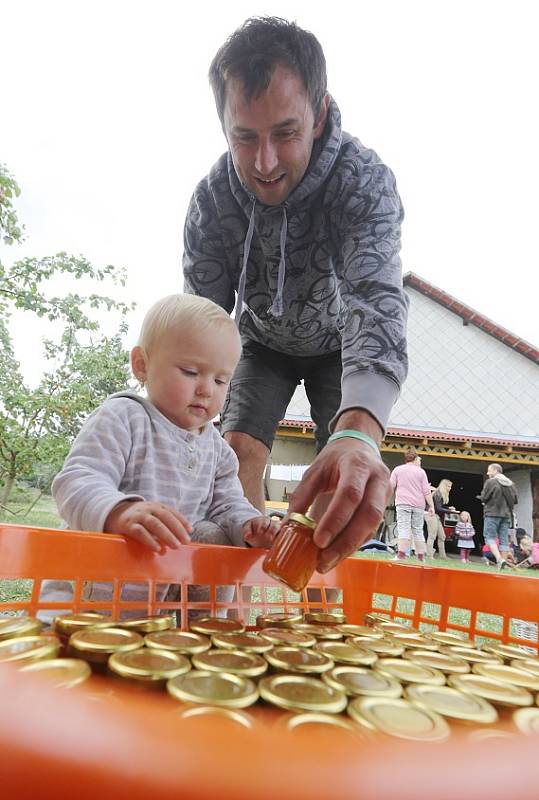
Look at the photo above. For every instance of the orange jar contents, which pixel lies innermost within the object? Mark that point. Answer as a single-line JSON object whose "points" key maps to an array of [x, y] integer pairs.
{"points": [[293, 556]]}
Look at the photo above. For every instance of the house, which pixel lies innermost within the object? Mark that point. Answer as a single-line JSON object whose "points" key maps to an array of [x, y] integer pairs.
{"points": [[471, 399]]}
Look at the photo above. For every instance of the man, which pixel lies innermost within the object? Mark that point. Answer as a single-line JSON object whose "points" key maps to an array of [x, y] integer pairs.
{"points": [[303, 223], [498, 496], [412, 491]]}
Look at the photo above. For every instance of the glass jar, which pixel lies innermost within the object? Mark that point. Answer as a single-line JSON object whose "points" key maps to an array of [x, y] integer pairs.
{"points": [[293, 556]]}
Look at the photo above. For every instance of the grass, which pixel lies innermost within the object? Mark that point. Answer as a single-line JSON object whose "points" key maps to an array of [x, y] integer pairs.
{"points": [[43, 514]]}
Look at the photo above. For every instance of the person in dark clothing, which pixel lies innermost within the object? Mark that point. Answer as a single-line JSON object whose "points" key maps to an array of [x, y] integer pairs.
{"points": [[499, 497]]}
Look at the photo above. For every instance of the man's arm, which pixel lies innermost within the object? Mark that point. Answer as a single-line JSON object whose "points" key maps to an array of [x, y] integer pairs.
{"points": [[374, 367], [205, 268]]}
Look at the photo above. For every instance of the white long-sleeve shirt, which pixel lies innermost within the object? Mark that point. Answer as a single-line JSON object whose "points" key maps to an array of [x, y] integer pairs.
{"points": [[127, 449]]}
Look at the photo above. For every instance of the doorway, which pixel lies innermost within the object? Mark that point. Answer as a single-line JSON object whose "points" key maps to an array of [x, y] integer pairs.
{"points": [[466, 487]]}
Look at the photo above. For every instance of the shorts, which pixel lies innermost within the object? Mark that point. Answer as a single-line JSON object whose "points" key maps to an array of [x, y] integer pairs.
{"points": [[497, 527], [263, 385]]}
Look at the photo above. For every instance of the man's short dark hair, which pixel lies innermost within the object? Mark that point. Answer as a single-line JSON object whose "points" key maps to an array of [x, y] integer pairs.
{"points": [[251, 53]]}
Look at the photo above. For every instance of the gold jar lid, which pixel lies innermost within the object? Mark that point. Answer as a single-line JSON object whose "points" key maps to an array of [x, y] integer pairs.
{"points": [[450, 702], [507, 674], [299, 659], [506, 651], [325, 618], [29, 648], [147, 665], [211, 625], [213, 688], [358, 681], [409, 672], [498, 693], [97, 644], [529, 664], [63, 673], [241, 718], [388, 626], [449, 637], [372, 617], [399, 718], [415, 642], [382, 647], [471, 654], [153, 624], [347, 653], [284, 636], [349, 629], [311, 721], [279, 620], [12, 627], [320, 631], [303, 519], [248, 641], [301, 693], [237, 662], [442, 661], [184, 642], [66, 624], [527, 720]]}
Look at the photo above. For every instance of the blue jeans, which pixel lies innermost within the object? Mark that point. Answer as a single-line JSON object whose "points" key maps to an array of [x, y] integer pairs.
{"points": [[497, 527]]}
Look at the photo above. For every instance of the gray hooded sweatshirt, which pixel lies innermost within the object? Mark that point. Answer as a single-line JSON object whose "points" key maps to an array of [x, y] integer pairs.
{"points": [[319, 273], [498, 496]]}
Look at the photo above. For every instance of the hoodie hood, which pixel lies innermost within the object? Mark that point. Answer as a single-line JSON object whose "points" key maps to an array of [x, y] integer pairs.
{"points": [[503, 480]]}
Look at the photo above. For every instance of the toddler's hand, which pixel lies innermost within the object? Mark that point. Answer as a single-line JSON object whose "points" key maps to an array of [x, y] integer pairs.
{"points": [[154, 525], [260, 531]]}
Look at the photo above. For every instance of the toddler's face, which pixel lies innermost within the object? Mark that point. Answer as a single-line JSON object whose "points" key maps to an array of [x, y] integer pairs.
{"points": [[188, 373]]}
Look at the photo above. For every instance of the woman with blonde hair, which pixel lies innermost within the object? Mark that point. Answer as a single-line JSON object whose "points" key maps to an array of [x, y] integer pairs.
{"points": [[435, 528]]}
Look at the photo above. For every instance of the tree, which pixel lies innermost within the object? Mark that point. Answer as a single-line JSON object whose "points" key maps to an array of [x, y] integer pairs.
{"points": [[38, 425]]}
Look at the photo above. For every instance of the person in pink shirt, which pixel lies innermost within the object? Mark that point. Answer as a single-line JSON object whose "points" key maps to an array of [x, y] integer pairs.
{"points": [[412, 491]]}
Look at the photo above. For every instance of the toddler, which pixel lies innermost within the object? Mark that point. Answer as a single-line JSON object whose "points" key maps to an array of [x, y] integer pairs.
{"points": [[465, 532], [155, 469]]}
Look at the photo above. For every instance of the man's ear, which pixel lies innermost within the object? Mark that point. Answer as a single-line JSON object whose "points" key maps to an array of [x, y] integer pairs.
{"points": [[321, 121], [138, 364]]}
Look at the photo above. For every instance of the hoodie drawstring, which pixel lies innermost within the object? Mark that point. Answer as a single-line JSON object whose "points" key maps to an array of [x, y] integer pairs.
{"points": [[241, 284], [278, 305]]}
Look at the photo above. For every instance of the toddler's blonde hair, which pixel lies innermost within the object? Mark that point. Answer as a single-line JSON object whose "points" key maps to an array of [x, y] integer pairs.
{"points": [[197, 313]]}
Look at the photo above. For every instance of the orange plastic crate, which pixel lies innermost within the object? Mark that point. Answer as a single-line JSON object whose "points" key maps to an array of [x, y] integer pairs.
{"points": [[59, 743]]}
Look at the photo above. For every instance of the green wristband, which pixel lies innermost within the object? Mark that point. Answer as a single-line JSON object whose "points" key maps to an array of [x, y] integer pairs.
{"points": [[351, 434]]}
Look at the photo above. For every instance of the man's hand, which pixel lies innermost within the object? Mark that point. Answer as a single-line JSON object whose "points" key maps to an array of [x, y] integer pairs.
{"points": [[260, 531], [359, 481], [154, 525]]}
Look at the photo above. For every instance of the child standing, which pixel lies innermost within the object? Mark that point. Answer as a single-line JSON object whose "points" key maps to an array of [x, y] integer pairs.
{"points": [[465, 532], [155, 469]]}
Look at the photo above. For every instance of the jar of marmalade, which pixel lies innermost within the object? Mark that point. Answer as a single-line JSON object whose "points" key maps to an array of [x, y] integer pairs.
{"points": [[293, 555]]}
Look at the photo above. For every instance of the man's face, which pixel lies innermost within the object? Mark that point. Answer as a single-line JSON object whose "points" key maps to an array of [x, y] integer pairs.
{"points": [[271, 137], [491, 472]]}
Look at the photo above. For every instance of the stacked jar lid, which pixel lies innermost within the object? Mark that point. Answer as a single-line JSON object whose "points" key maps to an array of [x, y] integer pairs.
{"points": [[380, 677]]}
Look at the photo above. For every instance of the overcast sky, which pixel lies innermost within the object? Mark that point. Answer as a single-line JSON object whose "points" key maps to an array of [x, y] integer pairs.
{"points": [[108, 122]]}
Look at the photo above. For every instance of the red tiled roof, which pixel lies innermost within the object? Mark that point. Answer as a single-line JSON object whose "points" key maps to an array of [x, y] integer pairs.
{"points": [[435, 435], [472, 316]]}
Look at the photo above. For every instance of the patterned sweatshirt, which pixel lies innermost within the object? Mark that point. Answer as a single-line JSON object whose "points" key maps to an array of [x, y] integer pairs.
{"points": [[317, 274]]}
